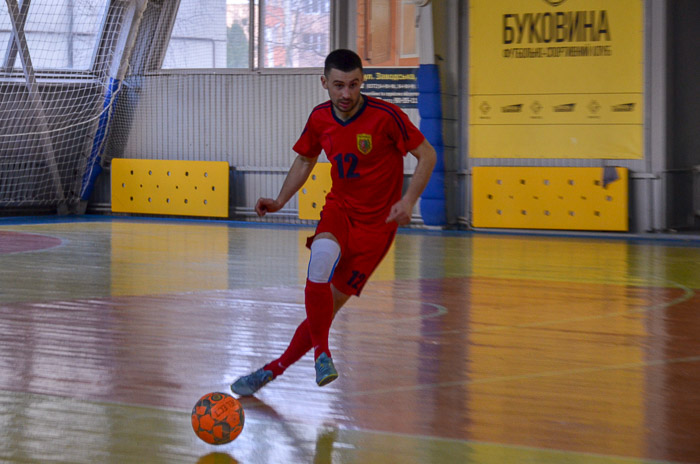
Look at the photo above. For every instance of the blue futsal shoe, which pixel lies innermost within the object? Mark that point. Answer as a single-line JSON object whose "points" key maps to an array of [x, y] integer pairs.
{"points": [[249, 384], [325, 370]]}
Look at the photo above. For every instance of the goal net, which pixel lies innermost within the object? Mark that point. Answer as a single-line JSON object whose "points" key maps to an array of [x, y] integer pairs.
{"points": [[57, 70]]}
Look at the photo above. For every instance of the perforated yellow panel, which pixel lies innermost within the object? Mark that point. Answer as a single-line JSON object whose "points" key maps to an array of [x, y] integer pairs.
{"points": [[312, 195], [550, 198], [186, 188]]}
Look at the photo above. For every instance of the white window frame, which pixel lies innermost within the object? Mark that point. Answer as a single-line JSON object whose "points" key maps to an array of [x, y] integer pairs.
{"points": [[256, 58]]}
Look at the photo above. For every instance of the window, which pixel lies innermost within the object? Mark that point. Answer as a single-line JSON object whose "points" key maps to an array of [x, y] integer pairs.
{"points": [[316, 43], [409, 37], [199, 38], [217, 34], [317, 6], [61, 35], [386, 32]]}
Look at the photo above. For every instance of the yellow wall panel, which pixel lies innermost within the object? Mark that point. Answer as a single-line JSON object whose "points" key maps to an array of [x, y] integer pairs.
{"points": [[186, 188], [549, 198], [554, 79], [312, 195], [578, 141]]}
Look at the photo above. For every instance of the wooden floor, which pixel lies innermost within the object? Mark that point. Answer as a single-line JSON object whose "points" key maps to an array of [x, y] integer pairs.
{"points": [[464, 348]]}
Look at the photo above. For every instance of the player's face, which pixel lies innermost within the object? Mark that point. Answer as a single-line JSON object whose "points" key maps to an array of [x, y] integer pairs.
{"points": [[344, 91]]}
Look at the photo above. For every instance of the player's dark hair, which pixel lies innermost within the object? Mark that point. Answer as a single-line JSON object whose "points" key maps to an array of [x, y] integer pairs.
{"points": [[342, 60]]}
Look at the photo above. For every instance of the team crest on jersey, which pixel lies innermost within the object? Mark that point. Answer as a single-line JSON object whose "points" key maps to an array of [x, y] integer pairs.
{"points": [[364, 143]]}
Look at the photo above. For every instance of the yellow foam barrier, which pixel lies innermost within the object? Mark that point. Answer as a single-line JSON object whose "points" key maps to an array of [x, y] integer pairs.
{"points": [[176, 187], [550, 198], [312, 195]]}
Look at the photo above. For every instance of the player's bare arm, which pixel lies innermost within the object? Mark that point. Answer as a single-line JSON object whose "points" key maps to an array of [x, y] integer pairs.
{"points": [[402, 210], [297, 175]]}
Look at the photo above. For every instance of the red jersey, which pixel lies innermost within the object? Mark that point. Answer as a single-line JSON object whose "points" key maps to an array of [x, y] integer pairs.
{"points": [[366, 153]]}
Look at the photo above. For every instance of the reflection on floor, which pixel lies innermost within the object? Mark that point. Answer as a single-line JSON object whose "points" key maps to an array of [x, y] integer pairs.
{"points": [[465, 347]]}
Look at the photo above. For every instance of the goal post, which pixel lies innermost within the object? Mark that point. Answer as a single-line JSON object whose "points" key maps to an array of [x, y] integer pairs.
{"points": [[59, 77], [125, 45]]}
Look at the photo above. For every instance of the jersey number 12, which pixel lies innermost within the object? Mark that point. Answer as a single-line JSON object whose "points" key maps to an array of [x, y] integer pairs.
{"points": [[346, 165]]}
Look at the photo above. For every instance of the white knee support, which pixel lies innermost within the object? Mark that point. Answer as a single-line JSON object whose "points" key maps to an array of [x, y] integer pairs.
{"points": [[325, 254]]}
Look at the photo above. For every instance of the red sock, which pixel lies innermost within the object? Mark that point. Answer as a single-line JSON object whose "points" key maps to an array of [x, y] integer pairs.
{"points": [[298, 347], [319, 313]]}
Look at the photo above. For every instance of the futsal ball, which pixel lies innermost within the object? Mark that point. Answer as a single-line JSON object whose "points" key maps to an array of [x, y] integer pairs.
{"points": [[218, 418]]}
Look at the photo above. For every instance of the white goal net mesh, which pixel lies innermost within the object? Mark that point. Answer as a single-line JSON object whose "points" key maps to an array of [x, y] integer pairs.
{"points": [[56, 57], [63, 76]]}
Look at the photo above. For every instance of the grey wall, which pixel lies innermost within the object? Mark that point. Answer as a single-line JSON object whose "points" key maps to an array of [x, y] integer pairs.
{"points": [[684, 112], [249, 120]]}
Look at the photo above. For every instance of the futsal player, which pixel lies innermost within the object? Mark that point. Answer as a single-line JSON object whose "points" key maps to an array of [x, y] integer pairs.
{"points": [[365, 139]]}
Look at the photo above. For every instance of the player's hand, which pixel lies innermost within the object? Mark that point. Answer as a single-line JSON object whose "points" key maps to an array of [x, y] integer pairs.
{"points": [[401, 212], [267, 205]]}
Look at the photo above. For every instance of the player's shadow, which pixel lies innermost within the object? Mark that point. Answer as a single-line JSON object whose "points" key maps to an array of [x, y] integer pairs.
{"points": [[323, 452], [254, 403]]}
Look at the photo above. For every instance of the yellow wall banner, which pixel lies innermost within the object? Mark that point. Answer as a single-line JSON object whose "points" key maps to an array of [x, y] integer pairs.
{"points": [[556, 79]]}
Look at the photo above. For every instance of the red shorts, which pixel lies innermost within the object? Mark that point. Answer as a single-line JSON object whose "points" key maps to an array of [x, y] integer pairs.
{"points": [[362, 248]]}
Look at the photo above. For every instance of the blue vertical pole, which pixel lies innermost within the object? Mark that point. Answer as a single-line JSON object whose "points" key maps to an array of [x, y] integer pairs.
{"points": [[432, 201], [94, 166], [117, 73]]}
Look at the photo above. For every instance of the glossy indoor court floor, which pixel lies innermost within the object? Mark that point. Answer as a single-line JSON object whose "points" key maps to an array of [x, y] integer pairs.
{"points": [[464, 348]]}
